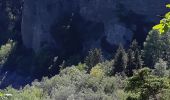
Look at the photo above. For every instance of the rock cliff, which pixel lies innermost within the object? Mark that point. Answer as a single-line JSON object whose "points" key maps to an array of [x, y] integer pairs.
{"points": [[88, 23]]}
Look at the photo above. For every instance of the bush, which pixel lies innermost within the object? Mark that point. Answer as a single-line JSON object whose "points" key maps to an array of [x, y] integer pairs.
{"points": [[107, 67], [97, 72], [5, 51], [70, 84], [28, 93], [145, 85]]}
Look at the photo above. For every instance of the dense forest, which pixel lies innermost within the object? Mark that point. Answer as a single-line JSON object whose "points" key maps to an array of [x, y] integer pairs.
{"points": [[136, 70]]}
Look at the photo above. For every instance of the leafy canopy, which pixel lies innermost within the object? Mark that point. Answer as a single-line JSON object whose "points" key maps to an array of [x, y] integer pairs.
{"points": [[164, 24]]}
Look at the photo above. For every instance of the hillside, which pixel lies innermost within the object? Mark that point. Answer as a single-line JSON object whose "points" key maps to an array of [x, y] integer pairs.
{"points": [[84, 49]]}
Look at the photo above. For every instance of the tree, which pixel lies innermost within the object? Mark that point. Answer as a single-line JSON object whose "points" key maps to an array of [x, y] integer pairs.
{"points": [[152, 48], [160, 68], [157, 46], [134, 58], [134, 46], [143, 85], [130, 64], [138, 60], [120, 60], [94, 57], [164, 25], [157, 43], [165, 45]]}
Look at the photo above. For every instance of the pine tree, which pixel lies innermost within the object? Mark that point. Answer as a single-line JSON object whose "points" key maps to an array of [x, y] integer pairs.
{"points": [[134, 46], [138, 60], [130, 63], [120, 60], [134, 58], [94, 57]]}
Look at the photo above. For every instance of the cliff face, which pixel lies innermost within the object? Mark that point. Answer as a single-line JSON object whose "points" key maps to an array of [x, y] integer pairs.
{"points": [[89, 23]]}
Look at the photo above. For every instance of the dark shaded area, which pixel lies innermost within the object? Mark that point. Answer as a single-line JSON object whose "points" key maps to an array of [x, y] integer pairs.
{"points": [[137, 23], [72, 31], [106, 46], [10, 20]]}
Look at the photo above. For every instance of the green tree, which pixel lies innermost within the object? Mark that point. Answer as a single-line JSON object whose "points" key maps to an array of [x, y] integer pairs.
{"points": [[160, 68], [134, 58], [94, 57], [158, 40], [134, 46], [164, 25], [165, 45], [130, 64], [157, 46], [152, 48], [143, 85], [120, 60], [138, 60]]}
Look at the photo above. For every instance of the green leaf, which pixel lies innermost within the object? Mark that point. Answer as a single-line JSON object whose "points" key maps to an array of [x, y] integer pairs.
{"points": [[168, 5], [1, 94], [162, 28], [157, 27], [167, 15]]}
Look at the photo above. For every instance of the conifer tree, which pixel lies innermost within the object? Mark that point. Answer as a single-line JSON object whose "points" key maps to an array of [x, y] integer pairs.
{"points": [[94, 57], [138, 60], [130, 63], [120, 60], [134, 58]]}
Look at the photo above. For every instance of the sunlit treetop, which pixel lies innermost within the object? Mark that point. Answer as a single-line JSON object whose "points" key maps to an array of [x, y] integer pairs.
{"points": [[168, 5], [164, 25]]}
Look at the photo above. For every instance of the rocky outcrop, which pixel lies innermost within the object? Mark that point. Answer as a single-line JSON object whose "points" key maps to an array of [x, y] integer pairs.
{"points": [[116, 20]]}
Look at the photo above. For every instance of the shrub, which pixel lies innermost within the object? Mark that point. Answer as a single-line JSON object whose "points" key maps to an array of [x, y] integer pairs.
{"points": [[107, 67], [145, 85], [97, 72], [70, 84], [5, 51]]}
